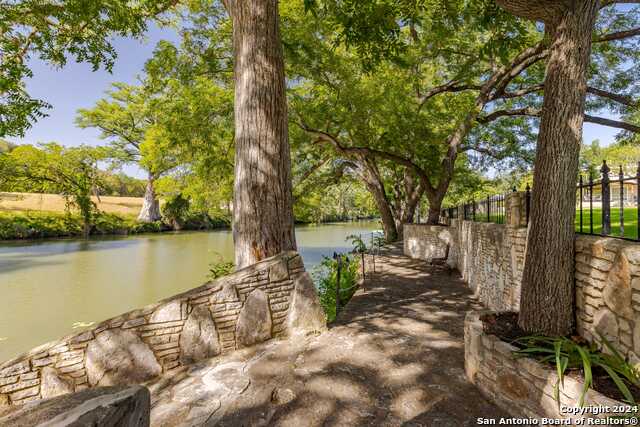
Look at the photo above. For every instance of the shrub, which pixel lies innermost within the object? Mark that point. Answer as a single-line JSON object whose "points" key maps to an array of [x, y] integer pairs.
{"points": [[176, 211], [325, 275], [33, 225]]}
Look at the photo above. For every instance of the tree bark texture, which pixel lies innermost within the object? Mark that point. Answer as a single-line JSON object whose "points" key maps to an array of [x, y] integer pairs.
{"points": [[373, 181], [547, 301], [263, 223], [406, 201], [150, 211], [435, 206]]}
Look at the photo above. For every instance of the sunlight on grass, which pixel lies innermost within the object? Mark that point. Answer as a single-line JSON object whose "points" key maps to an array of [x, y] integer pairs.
{"points": [[630, 222]]}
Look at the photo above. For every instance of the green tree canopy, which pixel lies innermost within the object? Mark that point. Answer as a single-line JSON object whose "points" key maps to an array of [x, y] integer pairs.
{"points": [[54, 32], [51, 168]]}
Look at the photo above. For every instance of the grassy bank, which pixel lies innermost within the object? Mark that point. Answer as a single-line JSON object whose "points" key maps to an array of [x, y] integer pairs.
{"points": [[35, 225]]}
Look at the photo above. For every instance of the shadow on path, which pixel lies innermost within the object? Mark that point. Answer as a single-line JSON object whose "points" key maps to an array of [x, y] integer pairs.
{"points": [[394, 357]]}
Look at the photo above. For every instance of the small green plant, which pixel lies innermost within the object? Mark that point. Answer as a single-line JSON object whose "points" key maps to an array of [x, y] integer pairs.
{"points": [[220, 268], [378, 241], [569, 354], [359, 246], [325, 277]]}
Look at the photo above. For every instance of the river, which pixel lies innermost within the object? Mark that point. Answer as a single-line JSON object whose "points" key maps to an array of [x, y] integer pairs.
{"points": [[51, 288]]}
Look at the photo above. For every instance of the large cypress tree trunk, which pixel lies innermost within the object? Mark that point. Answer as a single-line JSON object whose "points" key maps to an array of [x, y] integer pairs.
{"points": [[150, 205], [262, 205], [547, 299]]}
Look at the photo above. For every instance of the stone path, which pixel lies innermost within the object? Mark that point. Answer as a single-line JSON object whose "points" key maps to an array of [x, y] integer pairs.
{"points": [[395, 357]]}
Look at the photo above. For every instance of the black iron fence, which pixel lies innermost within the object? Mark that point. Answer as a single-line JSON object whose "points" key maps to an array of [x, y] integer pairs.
{"points": [[490, 209], [607, 205]]}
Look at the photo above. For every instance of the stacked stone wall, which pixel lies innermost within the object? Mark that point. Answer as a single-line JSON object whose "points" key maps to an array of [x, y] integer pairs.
{"points": [[522, 386], [608, 292], [270, 299], [490, 258]]}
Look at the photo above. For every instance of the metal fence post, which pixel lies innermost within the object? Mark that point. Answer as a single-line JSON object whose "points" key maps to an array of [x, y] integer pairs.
{"points": [[338, 259], [590, 202], [473, 204], [373, 253], [580, 201], [488, 209], [606, 200], [527, 202], [621, 179], [638, 198]]}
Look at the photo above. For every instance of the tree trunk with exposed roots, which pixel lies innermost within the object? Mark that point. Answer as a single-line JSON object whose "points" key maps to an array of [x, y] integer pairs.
{"points": [[150, 211]]}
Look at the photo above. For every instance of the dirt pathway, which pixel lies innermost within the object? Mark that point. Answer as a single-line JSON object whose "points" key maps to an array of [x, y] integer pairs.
{"points": [[395, 357]]}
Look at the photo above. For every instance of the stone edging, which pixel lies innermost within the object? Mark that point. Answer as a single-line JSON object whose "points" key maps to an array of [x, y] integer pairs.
{"points": [[273, 298], [521, 386]]}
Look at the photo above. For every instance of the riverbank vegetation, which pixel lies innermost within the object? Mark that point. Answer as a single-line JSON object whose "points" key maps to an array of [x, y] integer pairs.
{"points": [[36, 225], [325, 277]]}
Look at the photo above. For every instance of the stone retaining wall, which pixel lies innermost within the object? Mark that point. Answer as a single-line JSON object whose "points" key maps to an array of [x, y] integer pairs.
{"points": [[270, 299], [121, 406], [521, 386], [490, 258]]}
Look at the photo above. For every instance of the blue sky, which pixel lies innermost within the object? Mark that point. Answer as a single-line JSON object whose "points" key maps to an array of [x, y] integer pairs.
{"points": [[77, 86]]}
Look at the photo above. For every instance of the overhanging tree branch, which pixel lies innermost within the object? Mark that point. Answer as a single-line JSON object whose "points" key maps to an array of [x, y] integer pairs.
{"points": [[521, 92], [368, 152], [535, 10], [534, 112], [606, 3], [622, 99], [495, 115], [619, 35], [451, 86], [612, 123]]}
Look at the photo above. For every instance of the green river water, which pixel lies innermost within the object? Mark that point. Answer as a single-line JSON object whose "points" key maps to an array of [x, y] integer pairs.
{"points": [[49, 289]]}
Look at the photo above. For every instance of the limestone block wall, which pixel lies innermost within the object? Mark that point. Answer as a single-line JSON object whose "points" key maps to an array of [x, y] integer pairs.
{"points": [[270, 299], [608, 292], [521, 386], [490, 258], [426, 242]]}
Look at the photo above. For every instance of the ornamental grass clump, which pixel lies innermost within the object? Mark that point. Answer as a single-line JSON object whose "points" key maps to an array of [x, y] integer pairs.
{"points": [[575, 354]]}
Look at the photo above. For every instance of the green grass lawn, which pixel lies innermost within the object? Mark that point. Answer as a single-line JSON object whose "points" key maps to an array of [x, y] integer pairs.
{"points": [[630, 221]]}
